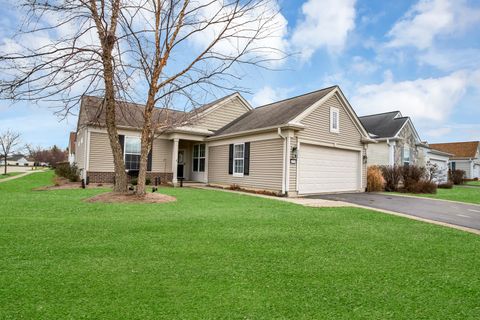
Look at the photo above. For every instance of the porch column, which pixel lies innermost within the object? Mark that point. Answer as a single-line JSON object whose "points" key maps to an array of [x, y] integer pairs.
{"points": [[175, 161]]}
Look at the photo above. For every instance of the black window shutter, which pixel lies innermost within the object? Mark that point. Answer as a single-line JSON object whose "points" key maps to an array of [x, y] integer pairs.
{"points": [[230, 159], [149, 159], [121, 140], [246, 159]]}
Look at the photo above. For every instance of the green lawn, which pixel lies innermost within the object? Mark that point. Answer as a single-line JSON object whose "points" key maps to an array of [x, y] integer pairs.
{"points": [[218, 255], [9, 174], [473, 183], [462, 194]]}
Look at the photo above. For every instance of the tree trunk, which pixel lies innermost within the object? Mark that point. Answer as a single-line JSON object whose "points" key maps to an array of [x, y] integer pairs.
{"points": [[121, 184], [146, 143], [5, 165]]}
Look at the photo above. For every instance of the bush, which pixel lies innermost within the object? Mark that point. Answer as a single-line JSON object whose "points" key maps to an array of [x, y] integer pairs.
{"points": [[424, 186], [148, 181], [392, 176], [68, 171], [375, 180], [134, 182], [412, 176], [446, 185], [456, 176]]}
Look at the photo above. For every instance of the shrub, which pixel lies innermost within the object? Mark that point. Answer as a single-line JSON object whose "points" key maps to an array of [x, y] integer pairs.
{"points": [[148, 181], [68, 171], [412, 176], [456, 176], [424, 186], [134, 182], [446, 185], [234, 187], [375, 180], [392, 176]]}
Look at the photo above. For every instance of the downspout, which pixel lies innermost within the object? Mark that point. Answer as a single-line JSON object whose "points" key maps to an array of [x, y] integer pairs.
{"points": [[279, 131]]}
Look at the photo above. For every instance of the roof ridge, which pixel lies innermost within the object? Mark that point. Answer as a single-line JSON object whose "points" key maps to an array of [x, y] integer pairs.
{"points": [[472, 141], [381, 113], [294, 97]]}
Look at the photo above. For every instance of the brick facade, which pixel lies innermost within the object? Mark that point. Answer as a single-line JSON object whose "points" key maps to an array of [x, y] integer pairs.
{"points": [[108, 177]]}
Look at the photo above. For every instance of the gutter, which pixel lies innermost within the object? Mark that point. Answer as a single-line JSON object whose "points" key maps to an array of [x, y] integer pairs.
{"points": [[284, 167]]}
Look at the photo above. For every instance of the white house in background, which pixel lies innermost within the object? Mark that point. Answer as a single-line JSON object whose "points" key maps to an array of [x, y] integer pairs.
{"points": [[71, 147], [17, 160], [465, 156], [398, 143]]}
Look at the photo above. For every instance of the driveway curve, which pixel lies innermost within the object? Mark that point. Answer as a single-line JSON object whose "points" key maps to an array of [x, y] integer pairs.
{"points": [[459, 214]]}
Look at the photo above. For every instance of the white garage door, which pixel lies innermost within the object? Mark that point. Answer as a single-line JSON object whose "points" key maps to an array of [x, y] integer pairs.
{"points": [[477, 171], [323, 169], [442, 170]]}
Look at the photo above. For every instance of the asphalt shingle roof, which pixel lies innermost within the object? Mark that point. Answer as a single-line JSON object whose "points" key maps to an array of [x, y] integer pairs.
{"points": [[460, 150], [383, 125], [274, 114]]}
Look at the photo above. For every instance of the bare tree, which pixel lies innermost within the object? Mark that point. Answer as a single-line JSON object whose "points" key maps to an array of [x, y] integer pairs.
{"points": [[9, 140], [168, 52]]}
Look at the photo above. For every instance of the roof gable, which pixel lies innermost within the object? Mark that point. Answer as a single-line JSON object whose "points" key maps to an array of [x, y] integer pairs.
{"points": [[274, 114], [384, 125]]}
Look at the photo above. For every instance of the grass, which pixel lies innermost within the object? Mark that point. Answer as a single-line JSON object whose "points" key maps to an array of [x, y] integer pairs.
{"points": [[9, 174], [473, 183], [461, 194], [217, 255]]}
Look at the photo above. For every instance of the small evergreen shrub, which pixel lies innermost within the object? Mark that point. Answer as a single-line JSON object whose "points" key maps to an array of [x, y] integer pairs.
{"points": [[66, 170], [446, 185]]}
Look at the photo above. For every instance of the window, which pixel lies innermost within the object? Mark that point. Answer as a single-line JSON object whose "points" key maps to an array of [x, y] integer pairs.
{"points": [[132, 153], [406, 155], [334, 120], [199, 158], [453, 165], [238, 159]]}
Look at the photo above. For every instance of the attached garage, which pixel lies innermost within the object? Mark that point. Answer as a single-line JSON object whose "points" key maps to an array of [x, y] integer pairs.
{"points": [[324, 169]]}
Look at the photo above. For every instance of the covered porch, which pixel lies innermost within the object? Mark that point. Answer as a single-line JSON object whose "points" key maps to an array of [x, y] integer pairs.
{"points": [[189, 158]]}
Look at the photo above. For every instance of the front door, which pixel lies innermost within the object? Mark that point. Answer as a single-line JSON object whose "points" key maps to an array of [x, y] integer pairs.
{"points": [[181, 164]]}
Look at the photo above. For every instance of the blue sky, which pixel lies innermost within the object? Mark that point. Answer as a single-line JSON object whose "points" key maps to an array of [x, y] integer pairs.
{"points": [[419, 57]]}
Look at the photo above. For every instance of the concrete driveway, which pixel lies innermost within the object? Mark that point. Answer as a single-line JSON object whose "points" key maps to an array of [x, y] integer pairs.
{"points": [[462, 215]]}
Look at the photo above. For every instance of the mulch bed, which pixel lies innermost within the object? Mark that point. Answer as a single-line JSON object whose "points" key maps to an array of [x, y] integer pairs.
{"points": [[113, 197], [61, 183]]}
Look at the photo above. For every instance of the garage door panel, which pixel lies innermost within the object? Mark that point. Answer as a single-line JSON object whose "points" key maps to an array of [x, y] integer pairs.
{"points": [[323, 169]]}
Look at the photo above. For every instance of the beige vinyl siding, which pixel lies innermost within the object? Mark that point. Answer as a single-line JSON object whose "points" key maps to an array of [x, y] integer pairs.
{"points": [[318, 126], [378, 154], [364, 171], [162, 155], [293, 170], [80, 149], [222, 115], [101, 156], [266, 161]]}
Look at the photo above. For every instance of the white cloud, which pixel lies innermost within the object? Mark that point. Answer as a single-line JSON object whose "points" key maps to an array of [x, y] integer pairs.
{"points": [[363, 66], [450, 59], [431, 99], [325, 24], [429, 19], [267, 95], [270, 42], [438, 132]]}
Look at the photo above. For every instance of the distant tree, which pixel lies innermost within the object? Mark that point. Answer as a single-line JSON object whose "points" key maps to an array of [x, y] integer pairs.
{"points": [[52, 155], [9, 140]]}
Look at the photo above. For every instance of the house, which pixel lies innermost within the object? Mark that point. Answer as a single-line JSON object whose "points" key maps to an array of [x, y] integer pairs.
{"points": [[71, 147], [465, 156], [398, 140], [312, 143], [398, 143], [17, 160]]}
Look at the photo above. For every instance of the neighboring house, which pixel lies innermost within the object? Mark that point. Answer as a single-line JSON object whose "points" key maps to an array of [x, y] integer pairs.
{"points": [[398, 140], [17, 160], [313, 143], [465, 156], [439, 159], [71, 147]]}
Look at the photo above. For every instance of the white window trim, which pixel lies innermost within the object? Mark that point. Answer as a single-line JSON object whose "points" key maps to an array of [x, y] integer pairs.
{"points": [[125, 148], [337, 123], [239, 174], [198, 157], [407, 147]]}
